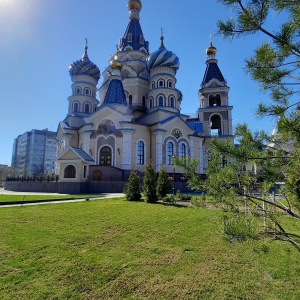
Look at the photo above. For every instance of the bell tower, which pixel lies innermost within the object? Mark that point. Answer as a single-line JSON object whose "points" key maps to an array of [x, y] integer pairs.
{"points": [[214, 112]]}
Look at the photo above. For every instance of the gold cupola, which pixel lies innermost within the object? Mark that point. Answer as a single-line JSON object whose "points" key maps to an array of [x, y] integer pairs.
{"points": [[211, 50], [115, 63], [134, 4]]}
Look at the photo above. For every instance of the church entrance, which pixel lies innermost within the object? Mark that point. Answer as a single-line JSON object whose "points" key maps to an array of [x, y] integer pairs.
{"points": [[105, 156]]}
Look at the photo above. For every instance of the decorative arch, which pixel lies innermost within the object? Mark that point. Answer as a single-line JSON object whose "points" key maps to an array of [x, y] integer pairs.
{"points": [[160, 100], [172, 101], [87, 91], [78, 90], [87, 107], [170, 84], [151, 102]]}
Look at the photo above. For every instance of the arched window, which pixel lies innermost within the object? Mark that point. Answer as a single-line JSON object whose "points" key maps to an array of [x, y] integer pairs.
{"points": [[130, 100], [94, 94], [170, 84], [161, 83], [87, 91], [87, 108], [151, 103], [76, 107], [172, 101], [161, 101], [78, 90], [170, 153], [182, 150], [140, 153], [153, 84], [70, 172]]}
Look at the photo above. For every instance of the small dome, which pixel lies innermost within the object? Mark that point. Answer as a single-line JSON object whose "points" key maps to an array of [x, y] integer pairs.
{"points": [[211, 50], [115, 63], [163, 58], [134, 4], [84, 66]]}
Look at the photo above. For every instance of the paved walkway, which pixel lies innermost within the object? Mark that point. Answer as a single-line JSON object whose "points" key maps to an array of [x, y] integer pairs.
{"points": [[5, 192]]}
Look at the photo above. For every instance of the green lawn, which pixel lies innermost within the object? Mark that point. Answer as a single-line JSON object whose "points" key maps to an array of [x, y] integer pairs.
{"points": [[29, 198], [113, 249]]}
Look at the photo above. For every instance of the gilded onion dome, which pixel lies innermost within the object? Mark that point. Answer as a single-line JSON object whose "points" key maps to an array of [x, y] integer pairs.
{"points": [[134, 4], [115, 63], [163, 58], [211, 50], [84, 66]]}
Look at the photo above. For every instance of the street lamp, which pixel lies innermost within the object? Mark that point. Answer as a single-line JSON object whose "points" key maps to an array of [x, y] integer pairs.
{"points": [[173, 175]]}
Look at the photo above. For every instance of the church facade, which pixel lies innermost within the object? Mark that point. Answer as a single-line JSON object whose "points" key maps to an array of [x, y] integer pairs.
{"points": [[138, 115]]}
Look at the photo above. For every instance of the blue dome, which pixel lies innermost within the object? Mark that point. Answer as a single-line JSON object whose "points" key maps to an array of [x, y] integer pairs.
{"points": [[163, 58], [84, 66]]}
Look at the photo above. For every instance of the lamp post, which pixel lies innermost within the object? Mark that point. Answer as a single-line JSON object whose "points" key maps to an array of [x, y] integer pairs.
{"points": [[173, 175]]}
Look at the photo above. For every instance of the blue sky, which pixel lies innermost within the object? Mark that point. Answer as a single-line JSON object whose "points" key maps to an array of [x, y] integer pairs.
{"points": [[40, 39]]}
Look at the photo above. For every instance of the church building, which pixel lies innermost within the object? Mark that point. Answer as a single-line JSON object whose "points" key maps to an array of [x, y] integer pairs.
{"points": [[138, 115]]}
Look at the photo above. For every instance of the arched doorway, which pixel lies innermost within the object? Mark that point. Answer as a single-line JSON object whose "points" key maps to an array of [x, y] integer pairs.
{"points": [[105, 156]]}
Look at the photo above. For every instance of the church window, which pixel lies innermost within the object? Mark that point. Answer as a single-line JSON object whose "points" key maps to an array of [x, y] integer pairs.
{"points": [[94, 94], [87, 91], [70, 172], [130, 100], [161, 101], [182, 150], [87, 108], [153, 84], [84, 171], [76, 107], [151, 103], [170, 153], [78, 90], [170, 84], [141, 153], [172, 101], [129, 37], [161, 83]]}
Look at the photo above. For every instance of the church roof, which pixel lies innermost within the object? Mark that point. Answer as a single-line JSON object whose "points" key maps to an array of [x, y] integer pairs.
{"points": [[115, 93], [82, 154], [212, 72], [196, 126]]}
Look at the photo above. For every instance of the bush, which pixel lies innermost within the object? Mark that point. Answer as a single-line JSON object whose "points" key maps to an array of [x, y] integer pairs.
{"points": [[149, 188], [132, 189], [163, 183]]}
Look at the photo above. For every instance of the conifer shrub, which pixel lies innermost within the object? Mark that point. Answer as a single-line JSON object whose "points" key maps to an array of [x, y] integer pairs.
{"points": [[163, 183], [132, 189], [149, 187]]}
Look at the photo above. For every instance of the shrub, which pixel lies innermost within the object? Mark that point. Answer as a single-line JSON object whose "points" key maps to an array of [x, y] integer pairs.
{"points": [[149, 188], [132, 189], [163, 183]]}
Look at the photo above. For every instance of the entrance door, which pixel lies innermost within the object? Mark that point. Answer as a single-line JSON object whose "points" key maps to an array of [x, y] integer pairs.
{"points": [[105, 156]]}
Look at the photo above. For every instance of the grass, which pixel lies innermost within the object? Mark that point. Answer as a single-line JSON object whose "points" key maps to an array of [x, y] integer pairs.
{"points": [[113, 249], [29, 198]]}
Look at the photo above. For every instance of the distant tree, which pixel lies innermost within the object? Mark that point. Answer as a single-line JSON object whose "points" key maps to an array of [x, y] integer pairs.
{"points": [[163, 183], [149, 187], [275, 66], [132, 189]]}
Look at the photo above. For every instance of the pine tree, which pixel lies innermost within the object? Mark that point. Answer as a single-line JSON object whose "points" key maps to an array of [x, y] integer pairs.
{"points": [[163, 183], [132, 189], [149, 187]]}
